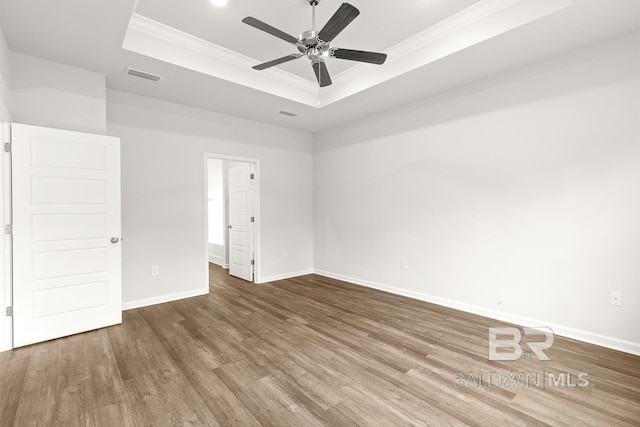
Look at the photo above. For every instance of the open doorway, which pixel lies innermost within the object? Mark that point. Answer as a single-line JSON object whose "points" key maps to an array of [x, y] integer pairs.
{"points": [[232, 219]]}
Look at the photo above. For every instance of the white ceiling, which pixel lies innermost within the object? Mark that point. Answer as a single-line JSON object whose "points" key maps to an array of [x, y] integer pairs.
{"points": [[90, 35], [369, 31]]}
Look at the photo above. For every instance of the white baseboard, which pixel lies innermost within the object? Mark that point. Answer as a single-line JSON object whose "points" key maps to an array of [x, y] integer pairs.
{"points": [[268, 279], [564, 331], [130, 305], [217, 260]]}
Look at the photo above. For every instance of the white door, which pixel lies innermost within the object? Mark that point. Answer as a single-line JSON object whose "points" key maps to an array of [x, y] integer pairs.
{"points": [[240, 225], [66, 231]]}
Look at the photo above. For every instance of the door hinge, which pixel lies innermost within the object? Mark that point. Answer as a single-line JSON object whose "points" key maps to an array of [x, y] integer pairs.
{"points": [[9, 311], [8, 229], [253, 262], [252, 176], [7, 147], [253, 219]]}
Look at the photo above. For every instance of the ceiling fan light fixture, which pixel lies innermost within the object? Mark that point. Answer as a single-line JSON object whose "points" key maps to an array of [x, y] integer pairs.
{"points": [[316, 45]]}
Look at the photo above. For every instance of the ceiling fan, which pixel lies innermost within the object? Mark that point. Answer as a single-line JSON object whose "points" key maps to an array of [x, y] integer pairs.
{"points": [[315, 45]]}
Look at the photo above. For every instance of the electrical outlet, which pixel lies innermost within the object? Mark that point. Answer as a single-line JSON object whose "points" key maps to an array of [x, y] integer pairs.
{"points": [[403, 264], [155, 270], [284, 253], [616, 298]]}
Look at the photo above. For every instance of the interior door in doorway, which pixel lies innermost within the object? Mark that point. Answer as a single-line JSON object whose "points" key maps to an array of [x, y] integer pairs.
{"points": [[66, 233], [240, 221]]}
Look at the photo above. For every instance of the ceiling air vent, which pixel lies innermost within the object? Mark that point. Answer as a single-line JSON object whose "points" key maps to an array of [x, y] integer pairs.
{"points": [[142, 74], [288, 113]]}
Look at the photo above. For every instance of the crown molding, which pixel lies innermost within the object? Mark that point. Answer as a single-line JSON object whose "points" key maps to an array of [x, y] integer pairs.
{"points": [[154, 39], [480, 22]]}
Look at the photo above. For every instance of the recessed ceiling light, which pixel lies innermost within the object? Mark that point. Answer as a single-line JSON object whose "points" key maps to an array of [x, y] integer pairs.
{"points": [[218, 3]]}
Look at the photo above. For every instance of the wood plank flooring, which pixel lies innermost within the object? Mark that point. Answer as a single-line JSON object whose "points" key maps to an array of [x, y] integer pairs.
{"points": [[305, 352]]}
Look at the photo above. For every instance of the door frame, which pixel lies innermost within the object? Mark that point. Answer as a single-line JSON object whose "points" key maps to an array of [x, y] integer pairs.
{"points": [[256, 211], [6, 337]]}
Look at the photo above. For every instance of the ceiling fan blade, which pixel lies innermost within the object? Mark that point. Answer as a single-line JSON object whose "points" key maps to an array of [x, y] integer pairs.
{"points": [[256, 23], [338, 22], [322, 74], [359, 55], [277, 61]]}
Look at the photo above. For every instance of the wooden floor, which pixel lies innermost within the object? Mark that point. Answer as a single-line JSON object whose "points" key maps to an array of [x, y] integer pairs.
{"points": [[303, 352]]}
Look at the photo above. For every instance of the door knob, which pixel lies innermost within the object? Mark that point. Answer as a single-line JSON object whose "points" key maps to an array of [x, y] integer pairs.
{"points": [[229, 227], [114, 240]]}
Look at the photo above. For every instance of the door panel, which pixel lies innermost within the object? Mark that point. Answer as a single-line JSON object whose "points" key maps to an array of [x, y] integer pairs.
{"points": [[51, 265], [66, 209], [241, 229], [48, 302], [76, 191], [68, 227], [68, 154]]}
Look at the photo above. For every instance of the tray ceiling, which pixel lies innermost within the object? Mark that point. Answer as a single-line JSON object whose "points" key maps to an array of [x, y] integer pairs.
{"points": [[381, 24], [215, 41], [437, 52]]}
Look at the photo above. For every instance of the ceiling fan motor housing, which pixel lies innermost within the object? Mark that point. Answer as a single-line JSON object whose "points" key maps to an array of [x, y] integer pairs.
{"points": [[309, 44]]}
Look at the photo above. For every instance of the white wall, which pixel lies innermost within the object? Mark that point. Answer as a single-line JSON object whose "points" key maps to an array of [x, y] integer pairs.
{"points": [[517, 197], [4, 76], [5, 119], [163, 215], [50, 94]]}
